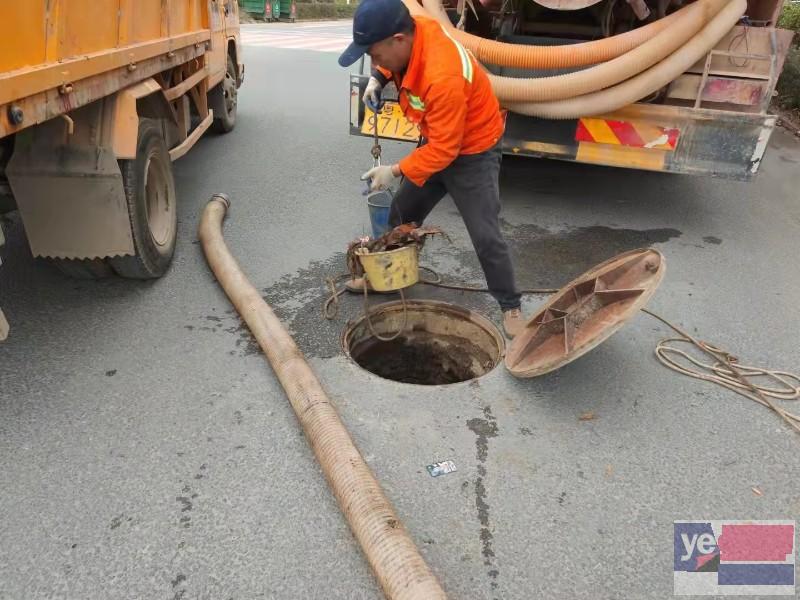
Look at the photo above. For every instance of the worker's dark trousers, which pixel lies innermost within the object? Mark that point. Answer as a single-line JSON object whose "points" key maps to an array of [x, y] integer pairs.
{"points": [[473, 183]]}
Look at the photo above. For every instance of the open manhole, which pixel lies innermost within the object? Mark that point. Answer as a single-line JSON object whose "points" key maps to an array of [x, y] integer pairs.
{"points": [[442, 343]]}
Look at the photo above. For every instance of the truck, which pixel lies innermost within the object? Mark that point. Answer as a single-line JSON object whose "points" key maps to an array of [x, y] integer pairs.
{"points": [[97, 99], [713, 119]]}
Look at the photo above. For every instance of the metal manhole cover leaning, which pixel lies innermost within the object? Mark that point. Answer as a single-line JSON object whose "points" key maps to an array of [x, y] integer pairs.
{"points": [[586, 312]]}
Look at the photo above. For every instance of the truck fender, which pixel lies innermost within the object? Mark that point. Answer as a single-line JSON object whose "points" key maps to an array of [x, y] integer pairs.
{"points": [[144, 99]]}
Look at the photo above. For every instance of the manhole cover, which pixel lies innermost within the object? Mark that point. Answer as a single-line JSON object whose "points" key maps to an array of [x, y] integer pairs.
{"points": [[586, 312], [441, 344]]}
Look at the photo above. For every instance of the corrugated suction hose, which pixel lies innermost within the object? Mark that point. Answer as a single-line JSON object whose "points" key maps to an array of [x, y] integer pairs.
{"points": [[398, 565], [542, 57], [640, 62], [645, 83], [541, 89]]}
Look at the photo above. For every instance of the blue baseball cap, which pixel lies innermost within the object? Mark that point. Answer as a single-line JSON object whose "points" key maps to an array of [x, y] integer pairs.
{"points": [[374, 20]]}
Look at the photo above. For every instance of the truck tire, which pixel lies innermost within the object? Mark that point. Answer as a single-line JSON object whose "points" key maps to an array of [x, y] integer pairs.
{"points": [[87, 268], [226, 120], [150, 194]]}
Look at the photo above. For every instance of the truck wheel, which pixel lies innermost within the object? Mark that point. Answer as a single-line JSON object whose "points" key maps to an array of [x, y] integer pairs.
{"points": [[150, 194], [87, 268], [226, 120]]}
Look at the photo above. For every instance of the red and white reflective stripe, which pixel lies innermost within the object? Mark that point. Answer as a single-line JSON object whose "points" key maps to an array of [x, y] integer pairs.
{"points": [[626, 133]]}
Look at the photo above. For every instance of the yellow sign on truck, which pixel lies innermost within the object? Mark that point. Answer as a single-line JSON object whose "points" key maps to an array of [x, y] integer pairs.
{"points": [[97, 98]]}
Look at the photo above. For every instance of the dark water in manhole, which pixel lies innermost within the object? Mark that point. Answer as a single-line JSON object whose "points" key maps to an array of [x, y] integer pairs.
{"points": [[423, 358]]}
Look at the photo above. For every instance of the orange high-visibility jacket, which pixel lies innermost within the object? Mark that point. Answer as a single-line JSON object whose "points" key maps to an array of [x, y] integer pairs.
{"points": [[447, 93]]}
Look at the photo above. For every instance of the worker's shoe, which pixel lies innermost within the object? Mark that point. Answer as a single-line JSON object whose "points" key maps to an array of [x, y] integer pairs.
{"points": [[356, 286], [513, 322]]}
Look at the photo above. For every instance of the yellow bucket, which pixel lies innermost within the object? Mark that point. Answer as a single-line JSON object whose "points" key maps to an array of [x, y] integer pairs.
{"points": [[392, 270]]}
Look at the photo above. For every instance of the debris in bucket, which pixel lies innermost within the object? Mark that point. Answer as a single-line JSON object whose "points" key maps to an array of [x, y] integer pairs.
{"points": [[401, 236], [442, 468]]}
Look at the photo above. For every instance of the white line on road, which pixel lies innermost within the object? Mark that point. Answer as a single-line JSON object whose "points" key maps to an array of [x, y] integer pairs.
{"points": [[317, 46], [292, 32], [332, 36]]}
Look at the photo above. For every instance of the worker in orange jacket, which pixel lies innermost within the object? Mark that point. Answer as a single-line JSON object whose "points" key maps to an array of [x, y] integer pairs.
{"points": [[444, 90]]}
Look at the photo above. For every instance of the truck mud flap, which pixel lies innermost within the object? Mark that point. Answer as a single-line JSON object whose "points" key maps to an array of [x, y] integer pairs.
{"points": [[69, 190]]}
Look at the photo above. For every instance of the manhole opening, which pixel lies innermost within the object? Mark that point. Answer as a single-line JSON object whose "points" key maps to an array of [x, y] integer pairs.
{"points": [[441, 344]]}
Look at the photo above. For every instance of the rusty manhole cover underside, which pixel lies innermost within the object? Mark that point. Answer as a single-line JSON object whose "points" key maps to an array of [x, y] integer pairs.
{"points": [[586, 312]]}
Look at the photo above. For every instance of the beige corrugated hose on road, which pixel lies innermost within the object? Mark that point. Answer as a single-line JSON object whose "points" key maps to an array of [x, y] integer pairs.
{"points": [[395, 560]]}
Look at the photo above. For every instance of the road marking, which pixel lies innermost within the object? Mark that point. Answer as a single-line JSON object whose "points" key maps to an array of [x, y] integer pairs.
{"points": [[318, 37]]}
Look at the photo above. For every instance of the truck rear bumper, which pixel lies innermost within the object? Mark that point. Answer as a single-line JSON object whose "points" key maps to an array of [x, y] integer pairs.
{"points": [[652, 137]]}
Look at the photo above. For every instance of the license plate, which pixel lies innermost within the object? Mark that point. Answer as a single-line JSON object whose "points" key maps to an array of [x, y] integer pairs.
{"points": [[391, 123]]}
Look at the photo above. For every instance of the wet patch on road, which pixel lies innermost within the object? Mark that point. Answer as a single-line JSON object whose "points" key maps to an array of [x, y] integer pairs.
{"points": [[545, 258], [297, 300], [186, 502], [246, 344], [542, 258], [484, 429], [295, 291], [118, 520]]}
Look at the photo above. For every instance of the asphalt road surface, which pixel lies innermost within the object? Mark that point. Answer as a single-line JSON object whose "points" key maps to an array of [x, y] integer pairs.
{"points": [[147, 450]]}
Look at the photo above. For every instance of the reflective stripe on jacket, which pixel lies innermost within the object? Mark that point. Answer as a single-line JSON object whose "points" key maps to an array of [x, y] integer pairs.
{"points": [[447, 93]]}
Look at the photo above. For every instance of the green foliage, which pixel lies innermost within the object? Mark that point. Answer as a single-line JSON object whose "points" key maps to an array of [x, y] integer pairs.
{"points": [[316, 11], [345, 11], [790, 18]]}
